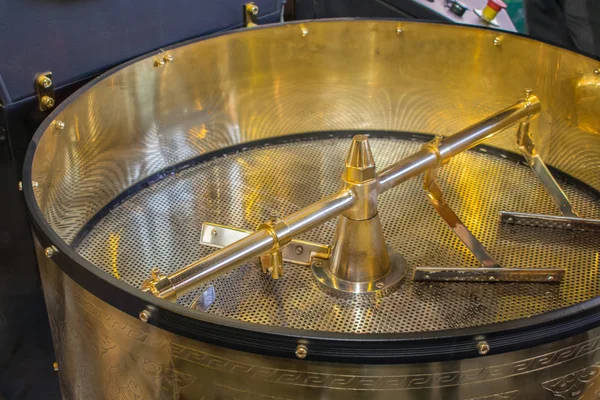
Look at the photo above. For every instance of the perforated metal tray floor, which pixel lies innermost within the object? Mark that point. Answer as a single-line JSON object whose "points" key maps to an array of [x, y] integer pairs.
{"points": [[160, 227]]}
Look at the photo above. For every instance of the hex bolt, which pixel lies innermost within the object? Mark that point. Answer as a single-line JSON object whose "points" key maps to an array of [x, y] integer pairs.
{"points": [[50, 251], [483, 347], [144, 316], [47, 101], [59, 125], [44, 81], [301, 351], [299, 250], [55, 366]]}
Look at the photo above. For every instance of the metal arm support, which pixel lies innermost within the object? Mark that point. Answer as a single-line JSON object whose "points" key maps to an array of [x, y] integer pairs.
{"points": [[264, 240]]}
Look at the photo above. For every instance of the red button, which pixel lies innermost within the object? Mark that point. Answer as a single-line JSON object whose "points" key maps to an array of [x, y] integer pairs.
{"points": [[496, 5]]}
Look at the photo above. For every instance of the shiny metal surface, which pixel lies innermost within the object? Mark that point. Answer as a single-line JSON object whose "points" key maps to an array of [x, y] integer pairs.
{"points": [[156, 227], [108, 355], [550, 221], [539, 168], [489, 274], [297, 251], [355, 248]]}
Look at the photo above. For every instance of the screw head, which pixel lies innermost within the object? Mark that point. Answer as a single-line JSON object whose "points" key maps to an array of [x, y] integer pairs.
{"points": [[379, 285], [510, 220], [318, 264], [483, 347], [597, 71], [59, 125], [44, 81], [398, 30], [213, 233], [144, 316], [497, 41], [304, 31], [254, 10], [55, 366], [47, 101], [168, 58], [550, 278], [301, 351], [50, 251], [159, 62], [299, 250]]}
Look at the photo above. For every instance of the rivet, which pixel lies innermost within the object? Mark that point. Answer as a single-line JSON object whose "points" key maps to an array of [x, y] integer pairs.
{"points": [[213, 233], [144, 316], [304, 31], [55, 366], [497, 41], [299, 250], [318, 264], [59, 125], [50, 251], [483, 347], [510, 220], [20, 186], [301, 351], [44, 81], [597, 71], [47, 101]]}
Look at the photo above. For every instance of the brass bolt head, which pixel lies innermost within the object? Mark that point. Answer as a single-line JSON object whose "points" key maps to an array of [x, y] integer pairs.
{"points": [[44, 81], [497, 41], [398, 30], [159, 62], [47, 101], [301, 351], [254, 10], [299, 250], [483, 347], [168, 58], [59, 125], [304, 31], [50, 251], [144, 316], [55, 366], [597, 71]]}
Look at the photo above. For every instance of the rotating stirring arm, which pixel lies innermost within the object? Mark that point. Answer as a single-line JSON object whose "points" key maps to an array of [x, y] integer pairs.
{"points": [[357, 201]]}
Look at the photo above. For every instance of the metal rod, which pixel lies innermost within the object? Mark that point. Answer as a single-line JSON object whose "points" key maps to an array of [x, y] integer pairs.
{"points": [[263, 240], [249, 247], [460, 141]]}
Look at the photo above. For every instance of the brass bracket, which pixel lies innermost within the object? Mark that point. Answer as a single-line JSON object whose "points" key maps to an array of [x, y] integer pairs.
{"points": [[44, 87], [490, 270], [569, 219], [250, 15], [295, 251]]}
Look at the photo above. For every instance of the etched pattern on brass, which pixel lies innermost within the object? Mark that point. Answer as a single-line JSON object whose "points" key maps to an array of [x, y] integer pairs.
{"points": [[167, 381], [575, 385], [512, 395]]}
